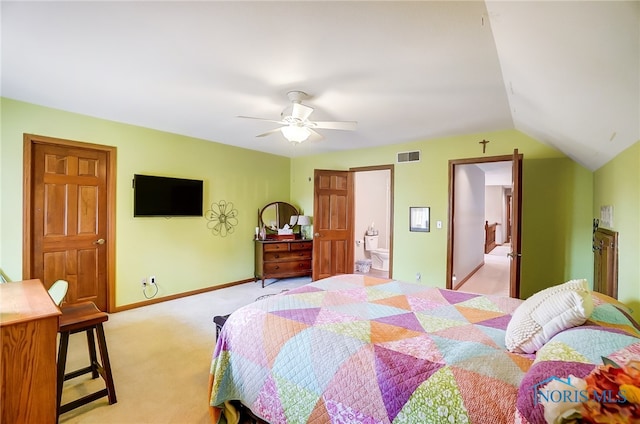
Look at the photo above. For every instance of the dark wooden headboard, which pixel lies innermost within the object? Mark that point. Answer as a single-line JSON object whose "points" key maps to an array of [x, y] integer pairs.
{"points": [[605, 262]]}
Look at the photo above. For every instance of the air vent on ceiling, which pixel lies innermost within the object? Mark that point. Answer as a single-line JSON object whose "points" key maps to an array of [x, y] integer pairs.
{"points": [[409, 156]]}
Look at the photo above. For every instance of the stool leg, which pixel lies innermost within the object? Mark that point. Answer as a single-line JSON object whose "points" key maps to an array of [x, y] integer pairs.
{"points": [[106, 365], [62, 360], [93, 358]]}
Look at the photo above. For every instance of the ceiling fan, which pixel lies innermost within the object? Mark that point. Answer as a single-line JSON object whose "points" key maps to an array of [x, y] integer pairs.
{"points": [[296, 126]]}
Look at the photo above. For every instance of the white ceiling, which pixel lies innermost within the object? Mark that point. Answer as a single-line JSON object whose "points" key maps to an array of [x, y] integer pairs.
{"points": [[496, 173], [565, 73]]}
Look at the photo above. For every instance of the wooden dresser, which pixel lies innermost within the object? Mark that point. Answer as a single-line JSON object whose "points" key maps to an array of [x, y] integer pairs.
{"points": [[283, 258], [29, 325]]}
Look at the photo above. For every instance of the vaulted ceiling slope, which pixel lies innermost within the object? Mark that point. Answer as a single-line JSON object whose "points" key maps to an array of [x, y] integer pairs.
{"points": [[565, 73]]}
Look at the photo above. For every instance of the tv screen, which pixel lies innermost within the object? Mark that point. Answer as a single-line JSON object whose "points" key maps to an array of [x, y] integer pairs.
{"points": [[166, 196]]}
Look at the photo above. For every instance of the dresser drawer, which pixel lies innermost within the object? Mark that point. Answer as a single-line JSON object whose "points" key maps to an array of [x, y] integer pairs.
{"points": [[305, 245], [287, 256], [276, 247], [287, 267]]}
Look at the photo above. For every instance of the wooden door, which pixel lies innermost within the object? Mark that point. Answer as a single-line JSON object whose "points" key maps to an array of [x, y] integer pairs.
{"points": [[332, 223], [605, 262], [68, 229], [516, 216]]}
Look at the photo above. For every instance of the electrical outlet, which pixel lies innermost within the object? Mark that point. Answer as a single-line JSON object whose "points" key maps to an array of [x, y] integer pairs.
{"points": [[143, 282], [152, 279], [418, 277]]}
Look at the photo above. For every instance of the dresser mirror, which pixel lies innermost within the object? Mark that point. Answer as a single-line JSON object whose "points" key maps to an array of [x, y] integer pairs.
{"points": [[276, 215]]}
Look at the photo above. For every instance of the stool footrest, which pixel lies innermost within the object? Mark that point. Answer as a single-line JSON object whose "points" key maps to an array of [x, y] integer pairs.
{"points": [[78, 373], [83, 401]]}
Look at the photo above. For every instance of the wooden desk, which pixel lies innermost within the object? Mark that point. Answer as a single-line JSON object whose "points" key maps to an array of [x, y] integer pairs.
{"points": [[283, 258], [29, 328]]}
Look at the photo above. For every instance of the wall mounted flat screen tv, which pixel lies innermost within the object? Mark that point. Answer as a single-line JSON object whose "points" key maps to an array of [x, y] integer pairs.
{"points": [[166, 196]]}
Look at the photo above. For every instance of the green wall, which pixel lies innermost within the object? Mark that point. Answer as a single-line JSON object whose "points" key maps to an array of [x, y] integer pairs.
{"points": [[556, 226], [182, 253], [617, 183], [560, 198], [556, 230]]}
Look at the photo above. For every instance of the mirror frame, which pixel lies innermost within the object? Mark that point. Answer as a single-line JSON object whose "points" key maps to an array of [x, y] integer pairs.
{"points": [[278, 206]]}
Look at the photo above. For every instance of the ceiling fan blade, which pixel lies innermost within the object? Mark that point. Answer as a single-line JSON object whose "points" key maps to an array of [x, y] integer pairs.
{"points": [[269, 132], [336, 125], [315, 135], [262, 119], [300, 111]]}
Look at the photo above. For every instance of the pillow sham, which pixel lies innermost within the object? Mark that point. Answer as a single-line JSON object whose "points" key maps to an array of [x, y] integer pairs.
{"points": [[611, 313], [575, 352], [600, 299], [546, 313], [527, 401]]}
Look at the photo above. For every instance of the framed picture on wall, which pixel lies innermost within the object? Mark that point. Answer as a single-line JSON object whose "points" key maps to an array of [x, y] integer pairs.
{"points": [[419, 219]]}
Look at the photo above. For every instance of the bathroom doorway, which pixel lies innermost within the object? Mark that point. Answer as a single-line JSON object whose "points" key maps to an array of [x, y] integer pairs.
{"points": [[373, 220]]}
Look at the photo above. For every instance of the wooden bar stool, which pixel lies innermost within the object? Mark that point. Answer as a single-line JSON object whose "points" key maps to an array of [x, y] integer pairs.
{"points": [[84, 316], [219, 322]]}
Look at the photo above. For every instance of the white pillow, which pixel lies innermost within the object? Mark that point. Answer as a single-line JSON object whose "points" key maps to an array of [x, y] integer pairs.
{"points": [[547, 313]]}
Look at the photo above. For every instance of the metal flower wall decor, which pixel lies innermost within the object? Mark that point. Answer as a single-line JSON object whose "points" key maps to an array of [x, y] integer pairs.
{"points": [[222, 218]]}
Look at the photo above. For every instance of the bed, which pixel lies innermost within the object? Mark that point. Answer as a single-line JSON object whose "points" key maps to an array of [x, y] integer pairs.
{"points": [[357, 349]]}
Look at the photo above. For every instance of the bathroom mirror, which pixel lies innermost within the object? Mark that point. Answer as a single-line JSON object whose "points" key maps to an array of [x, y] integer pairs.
{"points": [[276, 215]]}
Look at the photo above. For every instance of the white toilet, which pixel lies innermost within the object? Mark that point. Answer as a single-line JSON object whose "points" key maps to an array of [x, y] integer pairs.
{"points": [[379, 256]]}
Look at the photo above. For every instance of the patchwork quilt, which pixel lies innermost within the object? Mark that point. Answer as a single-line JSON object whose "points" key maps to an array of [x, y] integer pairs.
{"points": [[356, 349], [610, 332]]}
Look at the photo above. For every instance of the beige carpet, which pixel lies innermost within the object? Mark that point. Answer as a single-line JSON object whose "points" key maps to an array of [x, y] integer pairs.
{"points": [[494, 276], [160, 357]]}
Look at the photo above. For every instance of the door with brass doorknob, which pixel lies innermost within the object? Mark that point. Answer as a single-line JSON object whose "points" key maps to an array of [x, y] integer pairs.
{"points": [[333, 222], [67, 214]]}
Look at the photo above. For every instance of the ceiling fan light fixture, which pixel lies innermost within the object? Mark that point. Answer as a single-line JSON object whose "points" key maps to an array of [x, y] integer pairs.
{"points": [[295, 133], [296, 126]]}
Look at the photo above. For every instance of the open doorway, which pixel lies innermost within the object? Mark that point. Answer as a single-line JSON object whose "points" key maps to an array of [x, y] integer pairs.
{"points": [[373, 220], [334, 211], [484, 225], [486, 188]]}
